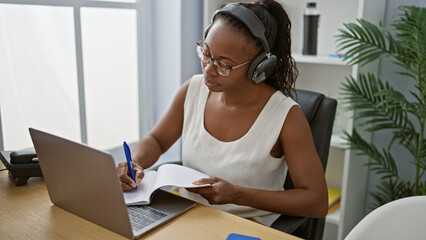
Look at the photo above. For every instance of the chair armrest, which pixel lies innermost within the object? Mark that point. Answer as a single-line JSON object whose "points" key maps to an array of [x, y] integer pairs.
{"points": [[288, 224]]}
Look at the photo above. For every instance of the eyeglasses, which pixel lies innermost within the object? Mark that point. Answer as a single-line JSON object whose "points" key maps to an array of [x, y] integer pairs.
{"points": [[221, 67]]}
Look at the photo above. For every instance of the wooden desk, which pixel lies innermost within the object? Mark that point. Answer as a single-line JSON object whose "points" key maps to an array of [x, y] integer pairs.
{"points": [[27, 213]]}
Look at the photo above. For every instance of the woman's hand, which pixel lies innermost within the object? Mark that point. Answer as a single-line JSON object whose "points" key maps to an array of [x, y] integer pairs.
{"points": [[124, 174], [219, 191]]}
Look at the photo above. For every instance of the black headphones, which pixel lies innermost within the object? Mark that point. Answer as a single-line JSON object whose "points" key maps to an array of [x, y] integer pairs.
{"points": [[263, 65]]}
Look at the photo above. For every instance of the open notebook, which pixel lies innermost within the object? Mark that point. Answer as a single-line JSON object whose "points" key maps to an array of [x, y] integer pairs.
{"points": [[166, 175]]}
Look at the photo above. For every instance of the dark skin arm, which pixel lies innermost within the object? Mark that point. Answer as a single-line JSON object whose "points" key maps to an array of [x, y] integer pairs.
{"points": [[164, 134], [309, 198]]}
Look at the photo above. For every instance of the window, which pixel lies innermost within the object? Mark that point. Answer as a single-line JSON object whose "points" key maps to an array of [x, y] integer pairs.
{"points": [[71, 68]]}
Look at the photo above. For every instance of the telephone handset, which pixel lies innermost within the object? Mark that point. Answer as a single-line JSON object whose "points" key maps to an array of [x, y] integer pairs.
{"points": [[21, 165], [23, 157]]}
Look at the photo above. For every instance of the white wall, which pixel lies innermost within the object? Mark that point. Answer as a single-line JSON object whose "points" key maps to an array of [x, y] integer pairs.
{"points": [[177, 26]]}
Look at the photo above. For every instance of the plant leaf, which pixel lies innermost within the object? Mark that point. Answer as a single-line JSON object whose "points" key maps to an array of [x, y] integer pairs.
{"points": [[390, 190], [363, 42]]}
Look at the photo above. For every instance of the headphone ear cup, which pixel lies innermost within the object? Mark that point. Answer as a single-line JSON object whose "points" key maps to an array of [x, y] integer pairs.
{"points": [[254, 63], [262, 67]]}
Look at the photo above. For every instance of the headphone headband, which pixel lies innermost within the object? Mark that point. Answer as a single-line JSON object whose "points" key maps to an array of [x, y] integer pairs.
{"points": [[263, 65], [249, 19]]}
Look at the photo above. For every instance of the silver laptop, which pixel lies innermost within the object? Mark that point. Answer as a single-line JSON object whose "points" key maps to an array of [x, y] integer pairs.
{"points": [[83, 181]]}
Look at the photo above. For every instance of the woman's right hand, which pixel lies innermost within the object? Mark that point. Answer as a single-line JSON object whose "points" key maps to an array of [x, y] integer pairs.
{"points": [[123, 173]]}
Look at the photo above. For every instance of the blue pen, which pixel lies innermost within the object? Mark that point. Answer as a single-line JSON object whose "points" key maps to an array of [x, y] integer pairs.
{"points": [[129, 161]]}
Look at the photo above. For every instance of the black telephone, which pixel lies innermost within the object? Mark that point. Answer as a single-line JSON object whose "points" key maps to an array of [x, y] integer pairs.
{"points": [[21, 165]]}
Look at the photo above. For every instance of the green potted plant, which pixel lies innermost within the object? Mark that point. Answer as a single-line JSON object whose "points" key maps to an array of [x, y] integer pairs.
{"points": [[378, 106]]}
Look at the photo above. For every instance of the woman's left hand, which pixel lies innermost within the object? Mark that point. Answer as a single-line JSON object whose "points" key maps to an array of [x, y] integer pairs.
{"points": [[219, 191]]}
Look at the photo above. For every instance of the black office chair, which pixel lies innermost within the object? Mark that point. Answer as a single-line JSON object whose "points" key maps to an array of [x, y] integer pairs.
{"points": [[320, 112]]}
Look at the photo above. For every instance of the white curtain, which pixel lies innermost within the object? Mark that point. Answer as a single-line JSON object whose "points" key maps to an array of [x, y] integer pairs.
{"points": [[110, 73], [38, 74], [38, 77]]}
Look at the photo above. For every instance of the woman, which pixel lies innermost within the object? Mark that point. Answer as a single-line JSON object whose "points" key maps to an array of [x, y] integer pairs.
{"points": [[237, 126]]}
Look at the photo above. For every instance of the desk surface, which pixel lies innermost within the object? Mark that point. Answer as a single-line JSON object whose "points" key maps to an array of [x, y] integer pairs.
{"points": [[27, 213]]}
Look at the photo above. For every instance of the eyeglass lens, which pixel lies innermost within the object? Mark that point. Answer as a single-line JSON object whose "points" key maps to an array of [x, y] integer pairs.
{"points": [[222, 68]]}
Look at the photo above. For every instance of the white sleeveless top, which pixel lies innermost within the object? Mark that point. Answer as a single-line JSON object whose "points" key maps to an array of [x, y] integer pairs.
{"points": [[246, 161]]}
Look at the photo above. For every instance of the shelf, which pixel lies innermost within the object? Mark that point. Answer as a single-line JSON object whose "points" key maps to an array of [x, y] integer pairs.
{"points": [[299, 58], [334, 217], [337, 141]]}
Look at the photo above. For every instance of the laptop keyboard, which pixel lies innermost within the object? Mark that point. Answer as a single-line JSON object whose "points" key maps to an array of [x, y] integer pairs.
{"points": [[142, 216]]}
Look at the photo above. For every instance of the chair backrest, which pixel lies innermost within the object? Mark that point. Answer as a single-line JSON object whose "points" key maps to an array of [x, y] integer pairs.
{"points": [[320, 112], [404, 218]]}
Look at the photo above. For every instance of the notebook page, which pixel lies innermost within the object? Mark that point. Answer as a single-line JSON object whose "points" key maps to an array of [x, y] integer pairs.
{"points": [[144, 191], [178, 176]]}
